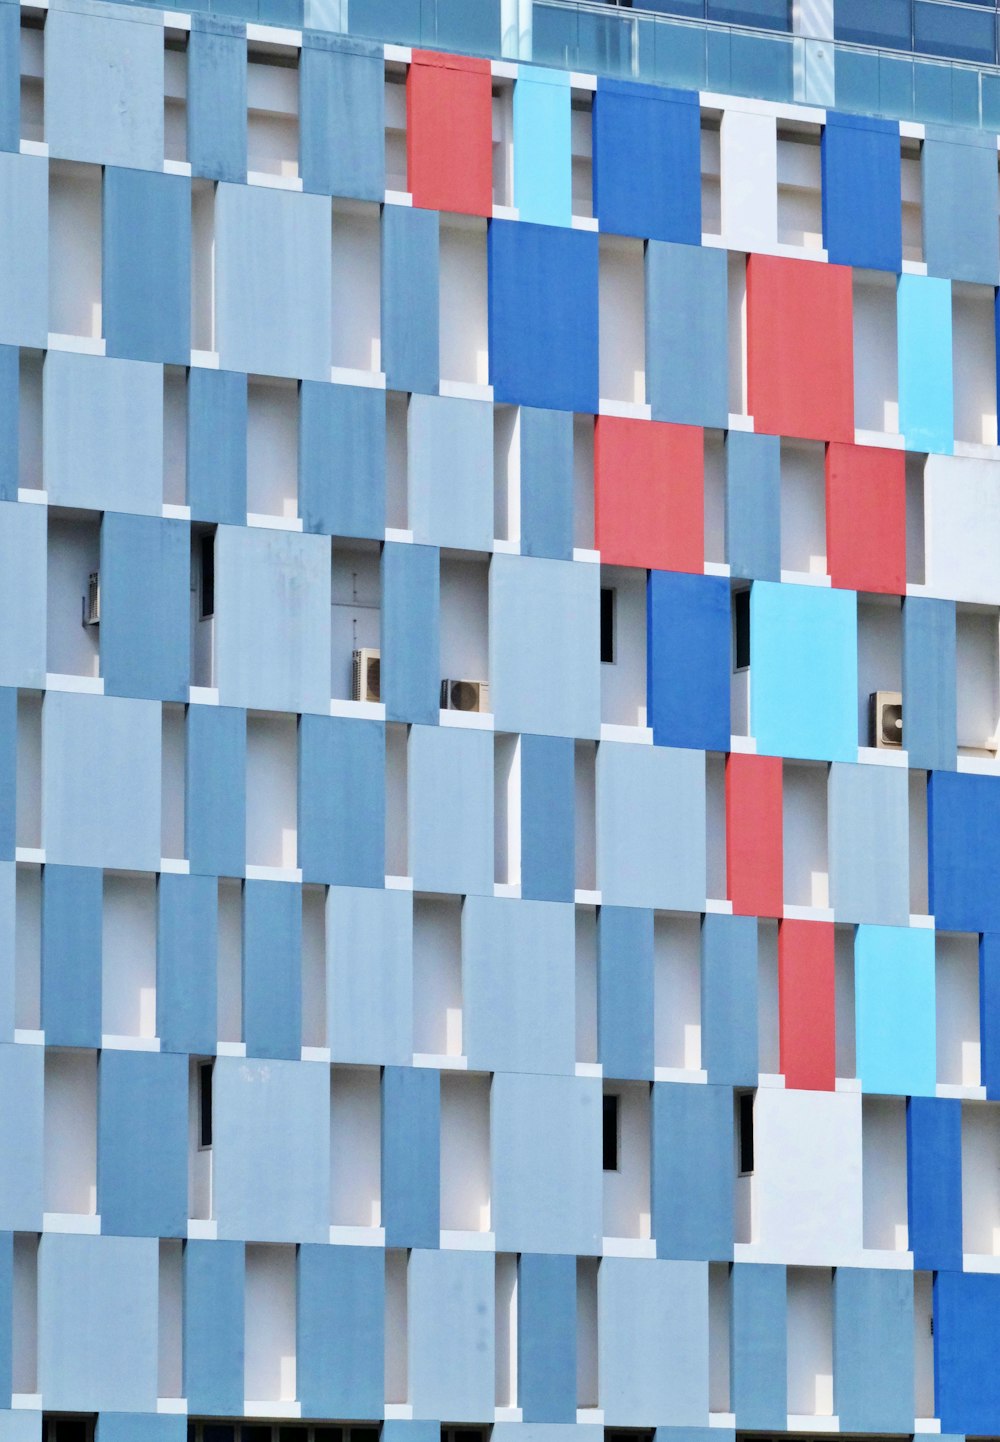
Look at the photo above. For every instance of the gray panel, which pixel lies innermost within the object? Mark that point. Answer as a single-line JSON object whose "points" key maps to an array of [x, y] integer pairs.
{"points": [[869, 844]]}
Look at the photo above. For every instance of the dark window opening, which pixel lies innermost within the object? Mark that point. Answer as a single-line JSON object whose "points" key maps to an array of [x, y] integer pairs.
{"points": [[207, 547], [741, 630], [607, 625], [611, 1133], [205, 1111], [68, 1429], [745, 1103]]}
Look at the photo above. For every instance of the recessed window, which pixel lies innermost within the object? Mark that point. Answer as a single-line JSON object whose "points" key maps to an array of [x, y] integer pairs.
{"points": [[745, 1127], [741, 630], [611, 1133], [207, 547], [205, 1104], [69, 1429], [607, 626]]}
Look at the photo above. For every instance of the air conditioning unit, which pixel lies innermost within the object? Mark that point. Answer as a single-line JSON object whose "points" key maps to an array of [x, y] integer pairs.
{"points": [[885, 719], [365, 677], [465, 695], [91, 602]]}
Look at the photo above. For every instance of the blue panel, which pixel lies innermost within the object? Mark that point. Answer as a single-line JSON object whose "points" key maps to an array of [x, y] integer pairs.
{"points": [[546, 1337], [369, 986], [687, 333], [411, 1156], [22, 1075], [729, 999], [340, 1356], [895, 1010], [186, 954], [215, 795], [410, 270], [873, 1349], [862, 219], [9, 403], [450, 809], [217, 445], [342, 459], [8, 943], [546, 483], [217, 98], [10, 90], [6, 1288], [625, 992], [688, 641], [692, 1170], [651, 826], [450, 472], [341, 116], [214, 1276], [963, 847], [342, 801], [8, 772], [23, 571], [543, 315], [145, 606], [451, 1310], [548, 810], [142, 1188], [869, 852], [411, 665], [966, 1329], [72, 916], [929, 683], [653, 1341], [146, 265], [934, 1182], [923, 323], [543, 186], [753, 506], [657, 194], [758, 1364], [24, 249], [104, 87], [272, 969], [141, 1427], [959, 214], [989, 1013]]}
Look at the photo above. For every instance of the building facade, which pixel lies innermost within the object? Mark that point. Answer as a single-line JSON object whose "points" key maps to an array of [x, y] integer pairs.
{"points": [[499, 707]]}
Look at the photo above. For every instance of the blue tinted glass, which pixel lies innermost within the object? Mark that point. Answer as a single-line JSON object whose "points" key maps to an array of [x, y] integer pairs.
{"points": [[885, 23], [763, 14], [457, 25], [680, 56], [951, 30], [856, 80], [932, 92], [606, 43], [553, 36], [965, 96], [991, 102], [761, 68], [695, 9], [394, 20], [895, 78]]}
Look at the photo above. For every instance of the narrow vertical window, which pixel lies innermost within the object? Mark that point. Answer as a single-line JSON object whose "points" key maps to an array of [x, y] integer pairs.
{"points": [[607, 625], [610, 1133], [746, 1132], [741, 630], [208, 575], [205, 1104]]}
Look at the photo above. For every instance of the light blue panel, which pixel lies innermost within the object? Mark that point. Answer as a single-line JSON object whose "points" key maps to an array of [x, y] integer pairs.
{"points": [[214, 1282], [411, 1156], [929, 683], [217, 98], [101, 781], [959, 214], [273, 275], [395, 1430], [803, 697], [21, 1425], [410, 299], [145, 1427], [651, 826], [10, 404], [450, 472], [342, 117], [753, 506], [923, 326], [217, 445], [544, 663], [103, 433], [519, 985], [869, 843], [369, 975], [758, 1366], [450, 810], [652, 1329], [546, 483], [22, 1075], [342, 800], [272, 969], [450, 1315], [10, 79], [186, 958], [729, 999], [215, 824], [110, 1363], [340, 1353], [145, 606], [104, 86], [23, 539], [546, 1337], [272, 638], [342, 459], [895, 1026], [71, 940], [8, 941], [692, 1171], [142, 1143], [548, 812], [146, 265], [625, 992], [545, 1145], [543, 181], [687, 333], [873, 1318], [271, 1144], [410, 632], [24, 249]]}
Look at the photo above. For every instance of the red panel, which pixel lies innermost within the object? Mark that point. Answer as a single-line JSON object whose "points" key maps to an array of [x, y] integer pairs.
{"points": [[753, 834], [649, 494], [449, 133], [807, 1035], [866, 518], [800, 348]]}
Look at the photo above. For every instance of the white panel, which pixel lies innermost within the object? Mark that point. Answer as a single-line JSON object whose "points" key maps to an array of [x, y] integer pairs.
{"points": [[974, 361], [715, 497], [464, 619], [395, 132], [272, 448], [876, 385], [807, 872], [980, 1167], [272, 790], [737, 315], [507, 810], [505, 1330], [626, 1191], [230, 961], [75, 249], [507, 473], [586, 984], [582, 142], [272, 118], [171, 1381], [355, 1147], [463, 301], [962, 528], [623, 681], [172, 781], [810, 1341], [270, 1324], [71, 1132], [677, 990], [800, 206], [74, 554], [883, 1135], [912, 198], [749, 166], [880, 653], [437, 975], [711, 192], [803, 507], [129, 956], [28, 947], [356, 286], [465, 1152], [957, 1009], [622, 320]]}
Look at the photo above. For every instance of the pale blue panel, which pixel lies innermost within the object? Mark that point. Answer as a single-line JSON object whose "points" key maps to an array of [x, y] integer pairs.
{"points": [[894, 1003], [342, 459], [873, 1321], [957, 172], [103, 433], [803, 693], [923, 325], [271, 1144], [342, 106], [450, 1316], [519, 985], [758, 1347], [544, 660], [104, 86], [272, 637], [869, 844], [410, 298], [8, 952], [543, 181], [651, 826], [540, 1431], [369, 975], [23, 539], [24, 250], [545, 1144], [22, 1075], [450, 811], [21, 1425], [273, 265], [450, 472], [652, 1328], [687, 333], [98, 1322], [101, 781]]}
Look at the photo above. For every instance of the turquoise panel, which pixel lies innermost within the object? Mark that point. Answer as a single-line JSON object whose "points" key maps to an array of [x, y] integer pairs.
{"points": [[543, 182], [369, 976], [651, 826], [652, 1328], [894, 1000], [450, 811], [923, 325]]}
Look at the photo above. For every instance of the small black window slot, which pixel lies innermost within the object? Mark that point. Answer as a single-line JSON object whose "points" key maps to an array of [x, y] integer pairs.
{"points": [[741, 630], [745, 1128], [611, 1133], [207, 551], [607, 626], [205, 1104]]}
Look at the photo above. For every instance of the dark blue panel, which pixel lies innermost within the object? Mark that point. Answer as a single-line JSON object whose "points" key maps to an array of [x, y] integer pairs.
{"points": [[543, 315], [8, 772], [687, 660], [342, 459], [411, 1156], [217, 446], [934, 1181], [548, 810], [72, 926], [215, 801], [753, 506], [142, 1143], [758, 1364], [625, 992], [966, 1343], [186, 958], [989, 1013], [146, 265], [342, 800], [657, 193], [217, 98], [272, 969], [963, 851], [886, 24], [960, 34], [10, 89], [929, 683], [411, 665], [546, 1337], [342, 116], [213, 1327], [692, 1171], [546, 484], [9, 401], [410, 271], [729, 999], [340, 1357], [145, 606], [862, 215]]}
